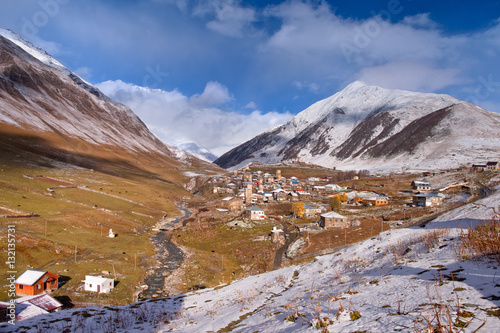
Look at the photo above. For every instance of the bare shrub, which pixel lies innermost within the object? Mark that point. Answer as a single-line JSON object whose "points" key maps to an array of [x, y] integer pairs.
{"points": [[482, 241]]}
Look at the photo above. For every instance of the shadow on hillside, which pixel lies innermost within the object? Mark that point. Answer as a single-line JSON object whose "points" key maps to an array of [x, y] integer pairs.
{"points": [[78, 153], [63, 279], [463, 223]]}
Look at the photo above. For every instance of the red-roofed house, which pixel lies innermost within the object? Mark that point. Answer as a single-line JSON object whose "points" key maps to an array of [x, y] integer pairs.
{"points": [[35, 282]]}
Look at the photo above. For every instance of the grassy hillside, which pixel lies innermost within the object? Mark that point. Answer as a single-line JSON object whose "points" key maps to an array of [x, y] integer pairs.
{"points": [[73, 209]]}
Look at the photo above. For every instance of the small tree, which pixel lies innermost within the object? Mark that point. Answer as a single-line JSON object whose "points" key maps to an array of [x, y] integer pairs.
{"points": [[298, 209], [335, 203], [343, 197]]}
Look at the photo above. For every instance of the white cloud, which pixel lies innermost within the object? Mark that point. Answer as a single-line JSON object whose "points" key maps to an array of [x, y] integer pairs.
{"points": [[214, 94], [311, 86], [175, 119], [412, 76], [230, 18], [251, 105], [420, 21]]}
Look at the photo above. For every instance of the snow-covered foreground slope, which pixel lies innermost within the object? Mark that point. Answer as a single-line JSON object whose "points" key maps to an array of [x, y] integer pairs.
{"points": [[398, 281]]}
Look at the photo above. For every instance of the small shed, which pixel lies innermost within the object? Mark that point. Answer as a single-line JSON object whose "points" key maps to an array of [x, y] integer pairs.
{"points": [[98, 284], [35, 282], [333, 220]]}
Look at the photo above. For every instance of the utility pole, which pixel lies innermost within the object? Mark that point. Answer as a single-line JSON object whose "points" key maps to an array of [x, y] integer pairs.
{"points": [[75, 253], [345, 236]]}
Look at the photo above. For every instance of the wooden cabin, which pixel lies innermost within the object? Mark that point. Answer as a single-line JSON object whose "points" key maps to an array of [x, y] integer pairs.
{"points": [[35, 282]]}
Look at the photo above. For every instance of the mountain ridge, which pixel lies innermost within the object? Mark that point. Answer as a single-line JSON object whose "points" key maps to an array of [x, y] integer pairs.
{"points": [[351, 128], [50, 104]]}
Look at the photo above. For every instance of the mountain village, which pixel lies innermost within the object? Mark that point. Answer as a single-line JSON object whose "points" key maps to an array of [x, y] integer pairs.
{"points": [[115, 231]]}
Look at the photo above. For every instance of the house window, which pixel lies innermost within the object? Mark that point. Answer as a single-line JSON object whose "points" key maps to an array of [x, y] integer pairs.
{"points": [[90, 285], [38, 286], [21, 286]]}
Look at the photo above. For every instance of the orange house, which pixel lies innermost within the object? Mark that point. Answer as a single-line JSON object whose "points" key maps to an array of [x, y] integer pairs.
{"points": [[34, 282], [375, 201]]}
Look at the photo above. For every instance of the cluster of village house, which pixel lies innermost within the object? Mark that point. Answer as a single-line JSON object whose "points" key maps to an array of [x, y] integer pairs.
{"points": [[250, 189]]}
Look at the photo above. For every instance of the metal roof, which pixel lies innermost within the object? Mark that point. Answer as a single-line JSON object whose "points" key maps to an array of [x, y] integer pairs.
{"points": [[334, 215], [430, 195], [96, 279], [44, 301], [30, 277], [255, 209], [422, 182]]}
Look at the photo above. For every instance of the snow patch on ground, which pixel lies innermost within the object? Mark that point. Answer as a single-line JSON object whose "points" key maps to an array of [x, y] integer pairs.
{"points": [[388, 283]]}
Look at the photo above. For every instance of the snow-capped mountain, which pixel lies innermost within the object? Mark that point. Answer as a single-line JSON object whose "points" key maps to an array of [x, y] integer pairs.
{"points": [[199, 152], [368, 127], [41, 98]]}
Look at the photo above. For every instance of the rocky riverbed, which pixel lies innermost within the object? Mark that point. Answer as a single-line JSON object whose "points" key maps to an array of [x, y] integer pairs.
{"points": [[168, 257]]}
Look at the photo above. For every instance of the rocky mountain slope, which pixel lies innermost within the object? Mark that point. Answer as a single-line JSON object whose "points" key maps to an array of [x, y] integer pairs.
{"points": [[368, 127], [47, 108]]}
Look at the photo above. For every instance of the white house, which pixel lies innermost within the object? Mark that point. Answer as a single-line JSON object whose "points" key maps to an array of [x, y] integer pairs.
{"points": [[98, 284], [332, 188], [255, 213]]}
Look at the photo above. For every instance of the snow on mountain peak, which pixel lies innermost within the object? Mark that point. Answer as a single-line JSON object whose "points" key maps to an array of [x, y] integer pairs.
{"points": [[366, 125], [31, 49]]}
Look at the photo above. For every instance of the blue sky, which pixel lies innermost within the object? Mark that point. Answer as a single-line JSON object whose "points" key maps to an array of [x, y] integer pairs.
{"points": [[223, 71]]}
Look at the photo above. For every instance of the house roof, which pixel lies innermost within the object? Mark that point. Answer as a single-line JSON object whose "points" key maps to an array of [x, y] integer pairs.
{"points": [[30, 277], [96, 279], [254, 209], [310, 207], [430, 195], [44, 301], [375, 198], [333, 214], [492, 163], [32, 306], [421, 183]]}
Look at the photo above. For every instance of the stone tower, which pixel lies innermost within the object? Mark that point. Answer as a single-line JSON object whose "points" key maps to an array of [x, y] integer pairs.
{"points": [[248, 194]]}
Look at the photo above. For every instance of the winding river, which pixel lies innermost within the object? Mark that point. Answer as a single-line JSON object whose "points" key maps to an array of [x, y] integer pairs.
{"points": [[167, 259]]}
